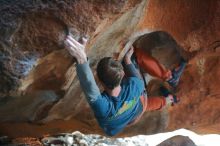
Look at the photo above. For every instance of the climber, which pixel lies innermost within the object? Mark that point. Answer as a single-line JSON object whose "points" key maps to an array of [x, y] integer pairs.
{"points": [[123, 101]]}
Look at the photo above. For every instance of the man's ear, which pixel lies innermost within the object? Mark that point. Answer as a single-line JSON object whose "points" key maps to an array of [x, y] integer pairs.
{"points": [[105, 87]]}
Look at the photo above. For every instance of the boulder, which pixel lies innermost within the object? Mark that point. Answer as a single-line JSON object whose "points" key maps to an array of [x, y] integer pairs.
{"points": [[33, 62]]}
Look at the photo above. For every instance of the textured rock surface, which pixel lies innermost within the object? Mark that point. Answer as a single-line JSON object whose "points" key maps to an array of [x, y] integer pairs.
{"points": [[179, 137], [32, 29], [31, 55], [178, 141], [32, 60]]}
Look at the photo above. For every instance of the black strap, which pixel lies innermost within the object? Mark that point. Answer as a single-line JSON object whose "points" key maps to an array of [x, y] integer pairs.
{"points": [[134, 60]]}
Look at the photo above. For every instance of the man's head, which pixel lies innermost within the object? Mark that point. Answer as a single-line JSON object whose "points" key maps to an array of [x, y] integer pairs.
{"points": [[110, 72]]}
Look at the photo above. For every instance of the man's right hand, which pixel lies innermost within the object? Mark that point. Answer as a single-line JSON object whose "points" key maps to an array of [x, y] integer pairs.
{"points": [[127, 58], [76, 49]]}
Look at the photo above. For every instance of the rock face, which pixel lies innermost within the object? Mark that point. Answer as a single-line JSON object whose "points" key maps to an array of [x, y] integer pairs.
{"points": [[33, 29], [178, 141], [78, 138], [181, 137], [31, 57], [35, 69]]}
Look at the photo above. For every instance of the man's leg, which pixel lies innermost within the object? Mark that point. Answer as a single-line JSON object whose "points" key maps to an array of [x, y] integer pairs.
{"points": [[155, 103], [150, 104], [176, 73], [150, 65]]}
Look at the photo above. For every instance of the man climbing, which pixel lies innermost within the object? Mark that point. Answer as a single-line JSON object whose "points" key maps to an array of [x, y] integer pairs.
{"points": [[123, 101]]}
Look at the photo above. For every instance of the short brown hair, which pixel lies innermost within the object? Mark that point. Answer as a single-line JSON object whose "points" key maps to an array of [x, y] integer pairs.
{"points": [[109, 71]]}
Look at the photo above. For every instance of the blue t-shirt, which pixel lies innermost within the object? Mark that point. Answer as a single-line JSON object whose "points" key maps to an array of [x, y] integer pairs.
{"points": [[114, 113]]}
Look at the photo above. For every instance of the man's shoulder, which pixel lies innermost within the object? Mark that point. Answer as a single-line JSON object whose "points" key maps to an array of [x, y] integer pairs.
{"points": [[134, 83], [103, 98], [133, 80]]}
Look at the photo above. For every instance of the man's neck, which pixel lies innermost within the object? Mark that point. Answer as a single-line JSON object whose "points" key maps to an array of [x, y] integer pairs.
{"points": [[115, 92]]}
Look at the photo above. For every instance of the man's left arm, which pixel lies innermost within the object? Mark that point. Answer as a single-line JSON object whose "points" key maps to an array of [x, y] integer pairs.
{"points": [[83, 70], [129, 67], [87, 82]]}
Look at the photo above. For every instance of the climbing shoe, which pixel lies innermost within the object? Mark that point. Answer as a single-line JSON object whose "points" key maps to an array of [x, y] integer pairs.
{"points": [[173, 99], [176, 73]]}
